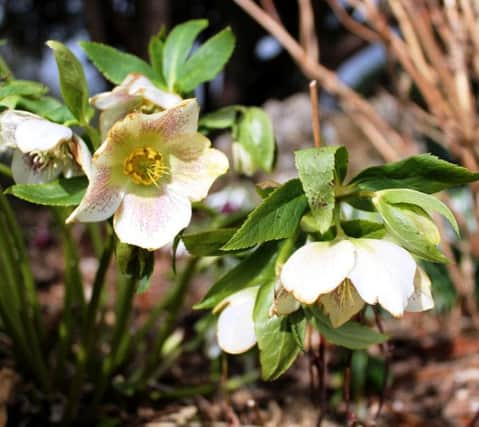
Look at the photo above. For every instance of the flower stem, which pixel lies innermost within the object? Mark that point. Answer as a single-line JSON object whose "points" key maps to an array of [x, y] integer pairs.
{"points": [[86, 350], [5, 170]]}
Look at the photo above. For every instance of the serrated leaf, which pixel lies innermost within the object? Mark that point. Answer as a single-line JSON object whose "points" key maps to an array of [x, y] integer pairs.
{"points": [[207, 61], [22, 87], [207, 243], [249, 272], [425, 173], [219, 119], [61, 192], [276, 342], [155, 52], [73, 84], [114, 64], [317, 172], [351, 335], [177, 47], [276, 217], [424, 201], [402, 223], [255, 134]]}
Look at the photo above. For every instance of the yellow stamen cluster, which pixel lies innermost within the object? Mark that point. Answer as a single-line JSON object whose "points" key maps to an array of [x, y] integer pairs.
{"points": [[145, 166]]}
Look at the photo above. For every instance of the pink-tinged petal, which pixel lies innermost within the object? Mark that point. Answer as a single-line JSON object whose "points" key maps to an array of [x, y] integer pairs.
{"points": [[317, 268], [81, 155], [110, 116], [193, 179], [383, 273], [23, 171], [151, 221], [235, 329], [102, 197]]}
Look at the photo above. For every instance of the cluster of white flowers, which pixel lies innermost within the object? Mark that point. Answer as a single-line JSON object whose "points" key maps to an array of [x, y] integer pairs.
{"points": [[151, 165]]}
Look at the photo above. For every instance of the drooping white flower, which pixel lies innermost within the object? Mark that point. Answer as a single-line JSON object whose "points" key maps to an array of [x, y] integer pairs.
{"points": [[235, 328], [344, 275], [135, 93], [147, 172], [42, 150]]}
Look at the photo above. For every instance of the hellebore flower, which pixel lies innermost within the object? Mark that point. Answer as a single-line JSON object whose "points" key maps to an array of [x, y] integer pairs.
{"points": [[344, 275], [42, 150], [135, 93], [147, 172], [235, 329]]}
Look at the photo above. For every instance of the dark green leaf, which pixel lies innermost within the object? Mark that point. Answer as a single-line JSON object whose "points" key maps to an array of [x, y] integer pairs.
{"points": [[207, 243], [220, 119], [255, 134], [363, 228], [177, 46], [135, 262], [277, 217], [61, 192], [297, 325], [207, 61], [424, 173], [73, 83], [114, 64], [249, 272], [22, 87], [351, 335], [276, 342]]}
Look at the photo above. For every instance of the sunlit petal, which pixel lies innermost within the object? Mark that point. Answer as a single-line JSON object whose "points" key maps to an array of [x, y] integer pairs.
{"points": [[140, 85], [384, 273], [151, 222], [235, 329], [40, 135], [317, 268]]}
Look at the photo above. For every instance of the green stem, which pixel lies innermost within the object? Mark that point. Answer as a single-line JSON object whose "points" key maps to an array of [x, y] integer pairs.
{"points": [[174, 307], [110, 362], [96, 238], [5, 170], [86, 350]]}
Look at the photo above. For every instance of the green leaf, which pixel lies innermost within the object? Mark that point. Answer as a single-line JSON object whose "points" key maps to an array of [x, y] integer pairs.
{"points": [[22, 87], [135, 262], [351, 335], [276, 342], [412, 228], [207, 243], [362, 228], [47, 107], [220, 119], [316, 168], [277, 217], [61, 192], [10, 102], [73, 83], [429, 203], [255, 134], [116, 65], [207, 61], [249, 272], [297, 326], [425, 173], [177, 46], [155, 51]]}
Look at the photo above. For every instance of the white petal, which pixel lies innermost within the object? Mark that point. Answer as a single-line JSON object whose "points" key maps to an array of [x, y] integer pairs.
{"points": [[81, 154], [9, 121], [101, 199], [421, 299], [24, 173], [142, 86], [317, 268], [384, 273], [235, 329], [151, 221], [111, 115], [193, 179], [40, 135]]}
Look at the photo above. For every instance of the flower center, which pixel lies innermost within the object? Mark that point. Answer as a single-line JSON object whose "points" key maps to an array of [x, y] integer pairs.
{"points": [[145, 166]]}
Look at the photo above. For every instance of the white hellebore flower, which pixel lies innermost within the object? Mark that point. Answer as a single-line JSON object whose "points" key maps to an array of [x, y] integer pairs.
{"points": [[135, 93], [344, 275], [42, 150], [235, 329], [147, 172]]}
